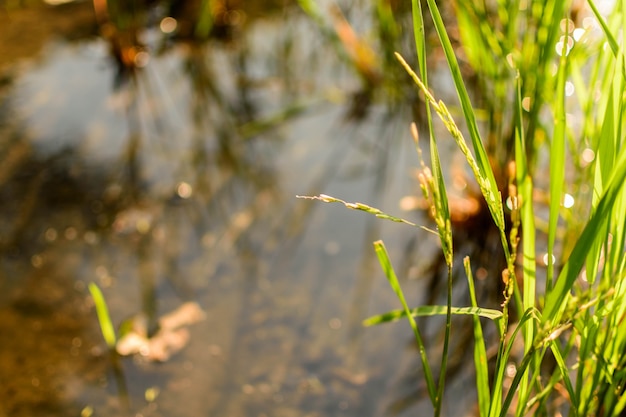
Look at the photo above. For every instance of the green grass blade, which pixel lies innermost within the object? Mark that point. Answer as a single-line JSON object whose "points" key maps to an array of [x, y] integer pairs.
{"points": [[312, 9], [590, 328], [205, 20], [521, 370], [440, 199], [504, 353], [523, 202], [427, 311], [566, 379], [491, 194], [446, 339], [555, 301], [603, 165], [468, 111], [606, 150], [420, 38], [620, 406], [480, 352], [605, 28], [106, 326], [557, 164], [609, 35], [487, 180], [385, 263]]}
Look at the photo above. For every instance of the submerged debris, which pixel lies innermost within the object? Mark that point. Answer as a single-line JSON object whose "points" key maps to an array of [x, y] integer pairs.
{"points": [[170, 338]]}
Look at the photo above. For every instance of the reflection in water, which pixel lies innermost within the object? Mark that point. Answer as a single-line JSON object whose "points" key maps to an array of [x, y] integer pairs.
{"points": [[163, 164]]}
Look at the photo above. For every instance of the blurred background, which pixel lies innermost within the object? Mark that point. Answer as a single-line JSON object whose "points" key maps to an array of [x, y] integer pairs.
{"points": [[156, 148]]}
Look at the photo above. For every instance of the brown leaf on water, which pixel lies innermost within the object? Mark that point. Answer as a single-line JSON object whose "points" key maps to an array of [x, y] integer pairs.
{"points": [[186, 314], [170, 339]]}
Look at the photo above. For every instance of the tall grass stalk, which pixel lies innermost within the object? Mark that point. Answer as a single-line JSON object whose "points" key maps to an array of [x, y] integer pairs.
{"points": [[572, 329], [439, 201]]}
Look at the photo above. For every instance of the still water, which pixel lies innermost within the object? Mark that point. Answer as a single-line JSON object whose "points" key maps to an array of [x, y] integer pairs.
{"points": [[172, 183]]}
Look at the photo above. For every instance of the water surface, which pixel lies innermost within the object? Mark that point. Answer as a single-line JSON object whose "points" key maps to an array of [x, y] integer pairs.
{"points": [[175, 182]]}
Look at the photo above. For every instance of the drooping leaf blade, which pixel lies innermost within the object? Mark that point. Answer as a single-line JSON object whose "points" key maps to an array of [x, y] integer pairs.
{"points": [[437, 310]]}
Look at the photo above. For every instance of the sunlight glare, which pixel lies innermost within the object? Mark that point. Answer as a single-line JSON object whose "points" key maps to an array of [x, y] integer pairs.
{"points": [[511, 370], [141, 59], [605, 7], [545, 259], [568, 201], [567, 24], [184, 190], [578, 34], [589, 22], [51, 234], [587, 156], [36, 261], [168, 25], [511, 203], [560, 44], [510, 60]]}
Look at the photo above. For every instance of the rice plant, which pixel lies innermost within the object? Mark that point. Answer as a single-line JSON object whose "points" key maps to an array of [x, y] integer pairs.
{"points": [[552, 76]]}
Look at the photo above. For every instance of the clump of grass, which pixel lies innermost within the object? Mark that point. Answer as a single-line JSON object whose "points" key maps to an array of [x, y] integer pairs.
{"points": [[527, 61]]}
